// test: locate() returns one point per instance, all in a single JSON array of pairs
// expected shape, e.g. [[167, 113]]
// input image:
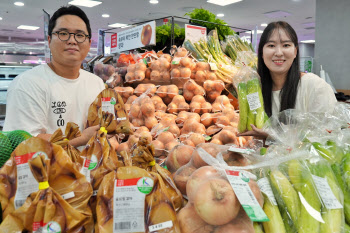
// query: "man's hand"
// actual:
[[85, 136], [257, 133]]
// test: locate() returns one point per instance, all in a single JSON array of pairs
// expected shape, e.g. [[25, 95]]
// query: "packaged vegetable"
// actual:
[[45, 208], [142, 112], [142, 88], [108, 111], [167, 93], [124, 92], [191, 88], [213, 89], [250, 100], [199, 105], [221, 102], [178, 104]]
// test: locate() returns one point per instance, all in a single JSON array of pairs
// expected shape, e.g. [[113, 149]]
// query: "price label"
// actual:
[[241, 150], [265, 187], [160, 226], [108, 105], [239, 182], [253, 101], [176, 60], [326, 193], [213, 66], [68, 195]]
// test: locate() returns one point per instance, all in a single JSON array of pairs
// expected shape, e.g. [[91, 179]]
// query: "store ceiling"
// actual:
[[245, 14]]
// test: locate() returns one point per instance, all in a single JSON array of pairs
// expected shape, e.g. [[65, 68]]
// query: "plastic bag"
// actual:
[[129, 102], [114, 80], [160, 71], [72, 131], [199, 105], [178, 157], [167, 93], [178, 104], [184, 115], [143, 88], [228, 135], [142, 112], [124, 92], [166, 123], [104, 71], [63, 176], [136, 72], [108, 111], [251, 103], [158, 104], [192, 126], [164, 142], [213, 89], [45, 208], [221, 102], [191, 88], [132, 141], [247, 58]]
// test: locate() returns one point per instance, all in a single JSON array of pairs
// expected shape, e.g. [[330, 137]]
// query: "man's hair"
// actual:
[[69, 10]]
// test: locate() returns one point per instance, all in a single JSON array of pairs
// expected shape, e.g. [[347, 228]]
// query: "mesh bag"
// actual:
[[9, 141]]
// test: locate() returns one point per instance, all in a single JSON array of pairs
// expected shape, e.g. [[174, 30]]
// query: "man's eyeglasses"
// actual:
[[64, 36]]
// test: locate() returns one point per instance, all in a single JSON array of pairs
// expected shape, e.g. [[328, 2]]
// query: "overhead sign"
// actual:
[[133, 38], [195, 33]]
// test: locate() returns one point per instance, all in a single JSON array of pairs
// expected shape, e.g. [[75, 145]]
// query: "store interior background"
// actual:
[[322, 21]]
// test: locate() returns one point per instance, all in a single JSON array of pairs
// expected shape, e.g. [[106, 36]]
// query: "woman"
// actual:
[[283, 85]]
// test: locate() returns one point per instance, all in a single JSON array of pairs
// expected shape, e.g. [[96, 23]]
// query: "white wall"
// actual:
[[332, 47]]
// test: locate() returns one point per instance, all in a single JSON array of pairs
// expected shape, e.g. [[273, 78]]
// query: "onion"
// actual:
[[215, 202]]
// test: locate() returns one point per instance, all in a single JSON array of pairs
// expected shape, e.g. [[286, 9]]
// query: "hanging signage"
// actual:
[[46, 33], [195, 33], [100, 43], [133, 38]]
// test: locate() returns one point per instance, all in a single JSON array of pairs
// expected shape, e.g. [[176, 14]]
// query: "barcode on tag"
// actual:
[[122, 226], [68, 195], [326, 193], [160, 226], [253, 101], [265, 187], [19, 203]]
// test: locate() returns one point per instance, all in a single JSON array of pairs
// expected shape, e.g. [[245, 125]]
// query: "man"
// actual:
[[49, 96]]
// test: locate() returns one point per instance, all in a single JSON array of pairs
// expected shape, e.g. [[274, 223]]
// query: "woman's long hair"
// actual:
[[289, 91]]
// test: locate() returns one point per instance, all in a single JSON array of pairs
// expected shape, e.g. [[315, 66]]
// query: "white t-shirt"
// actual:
[[40, 101], [313, 95]]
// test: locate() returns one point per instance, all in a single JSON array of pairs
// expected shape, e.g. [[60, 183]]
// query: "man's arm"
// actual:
[[85, 136]]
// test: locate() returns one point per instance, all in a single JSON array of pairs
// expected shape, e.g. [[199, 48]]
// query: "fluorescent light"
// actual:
[[257, 31], [86, 3], [153, 1], [19, 3], [220, 15], [223, 2], [263, 25], [118, 25], [0, 18], [105, 15], [307, 41], [25, 27]]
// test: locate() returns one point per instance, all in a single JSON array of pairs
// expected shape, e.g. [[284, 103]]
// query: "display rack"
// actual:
[[172, 19]]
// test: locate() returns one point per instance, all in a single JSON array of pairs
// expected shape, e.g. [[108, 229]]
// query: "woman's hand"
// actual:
[[257, 133]]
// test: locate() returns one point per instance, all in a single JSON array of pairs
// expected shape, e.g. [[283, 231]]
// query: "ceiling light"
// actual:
[[153, 1], [105, 15], [220, 15], [223, 2], [257, 31], [307, 41], [19, 3], [86, 3], [0, 18], [118, 25], [25, 27], [263, 25]]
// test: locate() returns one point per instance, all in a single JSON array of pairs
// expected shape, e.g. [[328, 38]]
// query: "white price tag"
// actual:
[[265, 187], [94, 193], [68, 195], [241, 150], [213, 66], [326, 193], [176, 60], [239, 182], [253, 101], [108, 105], [121, 119], [160, 226], [85, 169], [26, 183], [129, 204]]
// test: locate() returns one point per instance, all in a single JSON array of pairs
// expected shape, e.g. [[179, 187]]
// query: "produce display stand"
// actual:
[[172, 19]]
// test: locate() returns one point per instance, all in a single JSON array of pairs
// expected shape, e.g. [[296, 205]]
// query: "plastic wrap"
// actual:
[[167, 93], [124, 92], [183, 116], [199, 105], [191, 88], [213, 89], [63, 177], [136, 72], [158, 104], [160, 71], [104, 71], [45, 208], [191, 125], [181, 68], [164, 142], [228, 135], [72, 131], [251, 102], [179, 156], [143, 88], [129, 102], [142, 112], [115, 80], [178, 104], [108, 111], [166, 123], [221, 102]]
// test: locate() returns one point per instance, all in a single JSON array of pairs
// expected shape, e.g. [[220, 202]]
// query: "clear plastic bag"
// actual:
[[143, 88], [124, 92], [191, 88], [221, 102], [213, 89], [178, 104], [136, 72], [167, 93], [199, 105], [158, 104]]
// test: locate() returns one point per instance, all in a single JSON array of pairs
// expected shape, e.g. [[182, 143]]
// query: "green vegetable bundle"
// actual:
[[250, 100]]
